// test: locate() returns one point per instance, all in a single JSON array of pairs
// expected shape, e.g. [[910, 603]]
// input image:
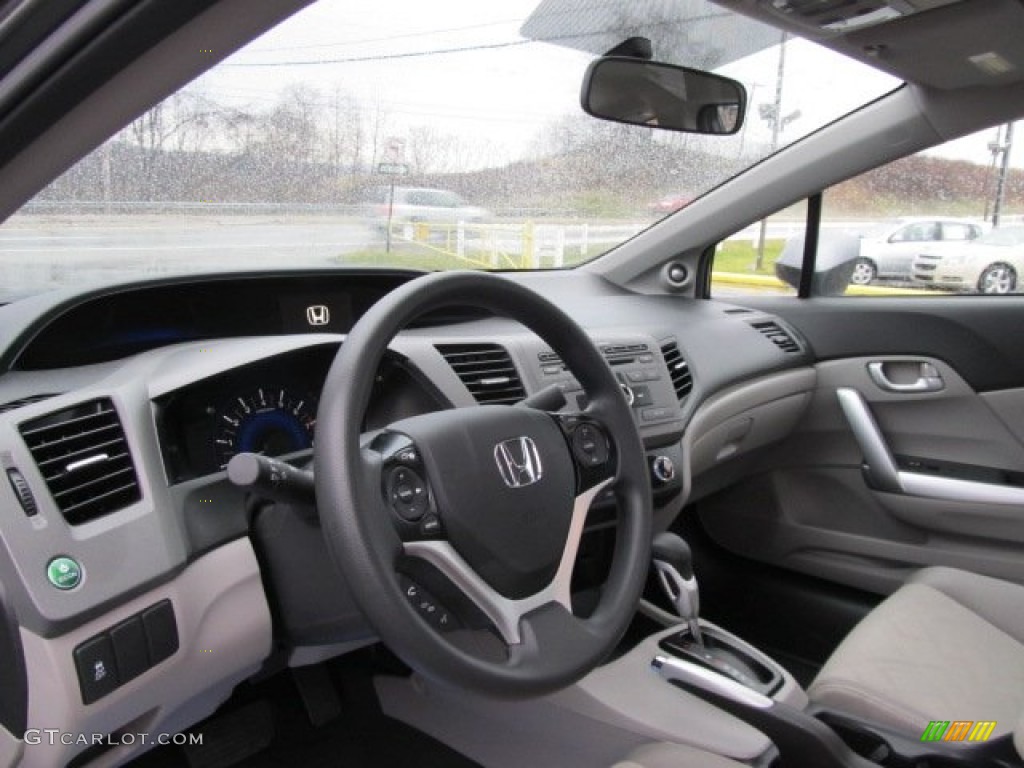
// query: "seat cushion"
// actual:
[[948, 645], [667, 755]]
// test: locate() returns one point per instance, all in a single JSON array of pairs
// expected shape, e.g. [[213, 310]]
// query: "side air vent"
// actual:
[[678, 369], [778, 335], [487, 371], [4, 407], [83, 456]]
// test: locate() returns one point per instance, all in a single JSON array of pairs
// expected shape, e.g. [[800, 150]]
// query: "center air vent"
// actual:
[[83, 456], [487, 371], [678, 369], [778, 335]]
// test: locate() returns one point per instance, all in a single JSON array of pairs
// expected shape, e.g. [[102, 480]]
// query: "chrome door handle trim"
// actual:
[[929, 379], [883, 474], [879, 465]]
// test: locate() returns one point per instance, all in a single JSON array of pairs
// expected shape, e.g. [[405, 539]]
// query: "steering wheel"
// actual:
[[494, 497]]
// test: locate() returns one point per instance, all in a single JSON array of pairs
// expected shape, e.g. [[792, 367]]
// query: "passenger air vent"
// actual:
[[678, 369], [4, 407], [83, 456], [487, 371], [778, 335]]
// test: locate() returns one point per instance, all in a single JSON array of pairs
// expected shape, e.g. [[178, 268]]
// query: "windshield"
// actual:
[[428, 136]]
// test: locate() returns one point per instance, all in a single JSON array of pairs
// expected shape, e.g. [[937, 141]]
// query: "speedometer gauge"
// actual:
[[268, 420]]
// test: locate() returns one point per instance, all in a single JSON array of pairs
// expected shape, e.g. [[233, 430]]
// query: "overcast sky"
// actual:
[[505, 91]]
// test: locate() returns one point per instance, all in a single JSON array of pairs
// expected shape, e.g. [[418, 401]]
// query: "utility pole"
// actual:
[[105, 165], [1004, 170]]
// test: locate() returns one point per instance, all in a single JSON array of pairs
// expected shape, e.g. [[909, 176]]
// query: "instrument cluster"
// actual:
[[269, 408]]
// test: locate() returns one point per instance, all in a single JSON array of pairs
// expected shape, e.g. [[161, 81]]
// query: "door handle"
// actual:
[[928, 378], [882, 472]]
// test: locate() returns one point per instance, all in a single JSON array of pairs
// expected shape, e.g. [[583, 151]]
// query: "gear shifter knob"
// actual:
[[673, 550], [674, 563]]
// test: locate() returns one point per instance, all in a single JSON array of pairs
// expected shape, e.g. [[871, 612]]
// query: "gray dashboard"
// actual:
[[672, 356]]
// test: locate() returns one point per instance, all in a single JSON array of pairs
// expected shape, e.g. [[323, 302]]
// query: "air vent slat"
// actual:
[[84, 459], [487, 371], [678, 369], [79, 487], [69, 455], [777, 335], [23, 401]]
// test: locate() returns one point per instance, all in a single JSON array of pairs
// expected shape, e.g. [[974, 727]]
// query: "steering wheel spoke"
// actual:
[[506, 613]]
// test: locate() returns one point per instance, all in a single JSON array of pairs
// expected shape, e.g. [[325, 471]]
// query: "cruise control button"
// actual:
[[64, 573]]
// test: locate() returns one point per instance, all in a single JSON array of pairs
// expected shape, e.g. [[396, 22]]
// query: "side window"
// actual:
[[919, 232], [958, 231], [949, 220], [764, 258]]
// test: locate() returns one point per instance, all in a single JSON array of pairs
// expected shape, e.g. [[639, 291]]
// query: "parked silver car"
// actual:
[[888, 251], [991, 264]]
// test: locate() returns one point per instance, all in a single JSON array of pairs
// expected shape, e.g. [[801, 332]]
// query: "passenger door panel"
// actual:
[[959, 451]]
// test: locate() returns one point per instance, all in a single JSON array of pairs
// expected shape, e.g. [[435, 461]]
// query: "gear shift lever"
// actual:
[[674, 563]]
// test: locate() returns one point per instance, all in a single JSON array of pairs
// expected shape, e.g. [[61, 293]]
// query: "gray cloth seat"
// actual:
[[668, 755], [947, 645]]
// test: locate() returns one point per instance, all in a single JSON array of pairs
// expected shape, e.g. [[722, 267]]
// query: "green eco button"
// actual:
[[64, 573]]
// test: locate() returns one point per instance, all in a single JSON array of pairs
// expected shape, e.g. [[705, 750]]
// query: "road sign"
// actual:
[[392, 169]]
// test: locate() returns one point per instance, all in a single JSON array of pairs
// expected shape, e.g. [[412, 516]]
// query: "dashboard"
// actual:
[[121, 407]]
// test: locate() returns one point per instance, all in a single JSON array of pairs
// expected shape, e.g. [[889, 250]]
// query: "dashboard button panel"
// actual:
[[108, 660]]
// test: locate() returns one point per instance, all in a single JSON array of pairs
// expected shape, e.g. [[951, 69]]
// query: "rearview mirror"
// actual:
[[640, 92]]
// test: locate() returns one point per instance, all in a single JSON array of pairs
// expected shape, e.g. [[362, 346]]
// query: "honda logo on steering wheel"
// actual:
[[518, 462]]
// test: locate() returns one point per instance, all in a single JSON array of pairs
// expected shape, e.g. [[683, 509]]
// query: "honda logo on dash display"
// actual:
[[318, 314], [518, 462]]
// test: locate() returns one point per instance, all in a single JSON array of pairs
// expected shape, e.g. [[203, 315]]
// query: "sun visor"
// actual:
[[694, 33]]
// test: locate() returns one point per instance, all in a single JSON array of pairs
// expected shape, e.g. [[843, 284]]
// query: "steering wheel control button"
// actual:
[[64, 573], [96, 667], [407, 493], [161, 627], [430, 527], [589, 445], [428, 606]]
